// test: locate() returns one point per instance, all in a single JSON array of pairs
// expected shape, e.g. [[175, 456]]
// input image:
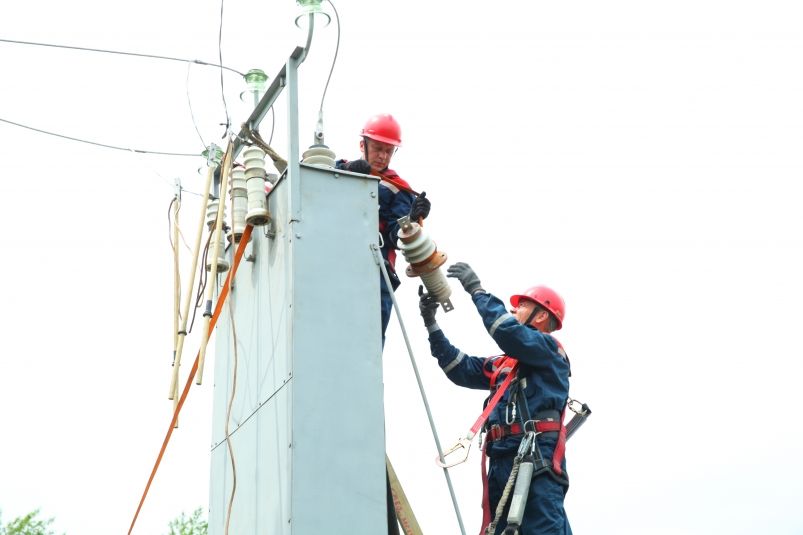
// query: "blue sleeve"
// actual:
[[525, 344], [392, 207], [460, 368]]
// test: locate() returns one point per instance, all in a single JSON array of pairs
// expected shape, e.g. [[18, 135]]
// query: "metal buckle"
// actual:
[[495, 432], [462, 443]]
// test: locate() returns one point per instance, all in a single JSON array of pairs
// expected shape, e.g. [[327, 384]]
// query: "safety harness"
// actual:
[[547, 423]]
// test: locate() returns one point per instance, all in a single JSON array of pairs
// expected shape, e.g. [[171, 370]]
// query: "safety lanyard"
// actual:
[[397, 185], [465, 442]]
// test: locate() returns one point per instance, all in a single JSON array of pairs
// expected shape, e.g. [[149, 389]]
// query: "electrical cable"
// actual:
[[337, 49], [202, 280], [170, 223], [199, 62], [189, 103], [154, 171], [98, 144], [231, 402], [272, 124], [220, 56]]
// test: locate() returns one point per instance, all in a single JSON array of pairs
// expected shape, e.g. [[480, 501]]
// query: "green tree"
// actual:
[[185, 525], [27, 525]]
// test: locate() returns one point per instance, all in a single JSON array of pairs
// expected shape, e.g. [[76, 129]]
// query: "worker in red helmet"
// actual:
[[381, 137], [535, 399]]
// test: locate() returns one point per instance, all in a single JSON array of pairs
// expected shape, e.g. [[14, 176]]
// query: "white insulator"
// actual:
[[436, 284], [419, 249], [258, 214], [239, 203], [222, 263], [257, 209], [211, 213], [319, 155]]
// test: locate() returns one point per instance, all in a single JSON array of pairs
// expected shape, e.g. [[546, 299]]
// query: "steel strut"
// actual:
[[378, 259]]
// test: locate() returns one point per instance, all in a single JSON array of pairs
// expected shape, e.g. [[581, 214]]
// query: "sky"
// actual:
[[642, 158]]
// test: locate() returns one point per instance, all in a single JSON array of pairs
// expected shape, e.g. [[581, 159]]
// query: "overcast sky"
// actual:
[[642, 158]]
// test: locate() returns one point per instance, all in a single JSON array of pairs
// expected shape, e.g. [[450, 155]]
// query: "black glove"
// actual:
[[428, 306], [421, 207], [463, 272], [357, 166]]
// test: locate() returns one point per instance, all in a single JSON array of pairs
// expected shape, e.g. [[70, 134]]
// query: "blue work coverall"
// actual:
[[393, 204], [547, 388]]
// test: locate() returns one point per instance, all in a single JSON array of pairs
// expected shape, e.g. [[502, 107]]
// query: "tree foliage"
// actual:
[[186, 525], [27, 525]]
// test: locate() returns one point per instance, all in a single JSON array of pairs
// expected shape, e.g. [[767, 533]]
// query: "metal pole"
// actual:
[[176, 290], [173, 394], [224, 180], [378, 259]]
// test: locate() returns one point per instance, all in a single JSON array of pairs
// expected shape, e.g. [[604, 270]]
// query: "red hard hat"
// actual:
[[547, 298], [384, 128]]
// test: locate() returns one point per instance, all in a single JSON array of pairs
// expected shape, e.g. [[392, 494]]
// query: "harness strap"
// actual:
[[394, 183], [560, 448], [486, 501], [494, 400], [497, 432]]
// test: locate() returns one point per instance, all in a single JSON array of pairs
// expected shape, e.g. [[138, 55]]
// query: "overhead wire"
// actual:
[[220, 56], [189, 103], [199, 62], [154, 171], [337, 49], [95, 143]]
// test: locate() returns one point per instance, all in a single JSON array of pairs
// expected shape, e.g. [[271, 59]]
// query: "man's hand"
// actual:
[[357, 166], [428, 306], [421, 207], [463, 272]]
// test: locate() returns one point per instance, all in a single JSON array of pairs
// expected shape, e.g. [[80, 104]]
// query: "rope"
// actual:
[[279, 162], [491, 529], [218, 307]]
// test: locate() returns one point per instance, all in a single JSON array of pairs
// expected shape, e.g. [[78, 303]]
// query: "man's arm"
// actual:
[[461, 369], [391, 208]]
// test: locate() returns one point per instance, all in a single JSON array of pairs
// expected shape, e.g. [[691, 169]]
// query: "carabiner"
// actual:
[[462, 443]]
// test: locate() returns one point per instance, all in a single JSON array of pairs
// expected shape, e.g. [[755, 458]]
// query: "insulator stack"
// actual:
[[425, 260], [319, 155], [239, 202], [255, 176], [211, 216]]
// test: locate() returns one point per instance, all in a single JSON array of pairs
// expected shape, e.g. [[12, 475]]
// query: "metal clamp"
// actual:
[[465, 443], [571, 402]]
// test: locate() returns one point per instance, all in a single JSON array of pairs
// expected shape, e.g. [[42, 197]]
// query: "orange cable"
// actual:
[[218, 307]]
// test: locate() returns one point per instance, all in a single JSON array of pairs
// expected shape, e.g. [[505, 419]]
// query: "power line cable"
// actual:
[[98, 144], [187, 87], [337, 49], [220, 56], [199, 62]]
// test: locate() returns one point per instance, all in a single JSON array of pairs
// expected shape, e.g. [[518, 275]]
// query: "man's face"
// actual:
[[523, 311], [379, 154]]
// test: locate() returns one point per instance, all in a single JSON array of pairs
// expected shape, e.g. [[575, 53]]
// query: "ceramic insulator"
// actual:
[[435, 282], [257, 213], [319, 155], [419, 249], [239, 202], [211, 216]]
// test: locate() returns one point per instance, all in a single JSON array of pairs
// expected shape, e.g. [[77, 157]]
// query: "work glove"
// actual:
[[357, 166], [421, 207], [463, 272], [428, 306]]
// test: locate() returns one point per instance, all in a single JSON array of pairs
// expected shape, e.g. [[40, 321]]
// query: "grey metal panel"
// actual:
[[309, 370], [338, 413]]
